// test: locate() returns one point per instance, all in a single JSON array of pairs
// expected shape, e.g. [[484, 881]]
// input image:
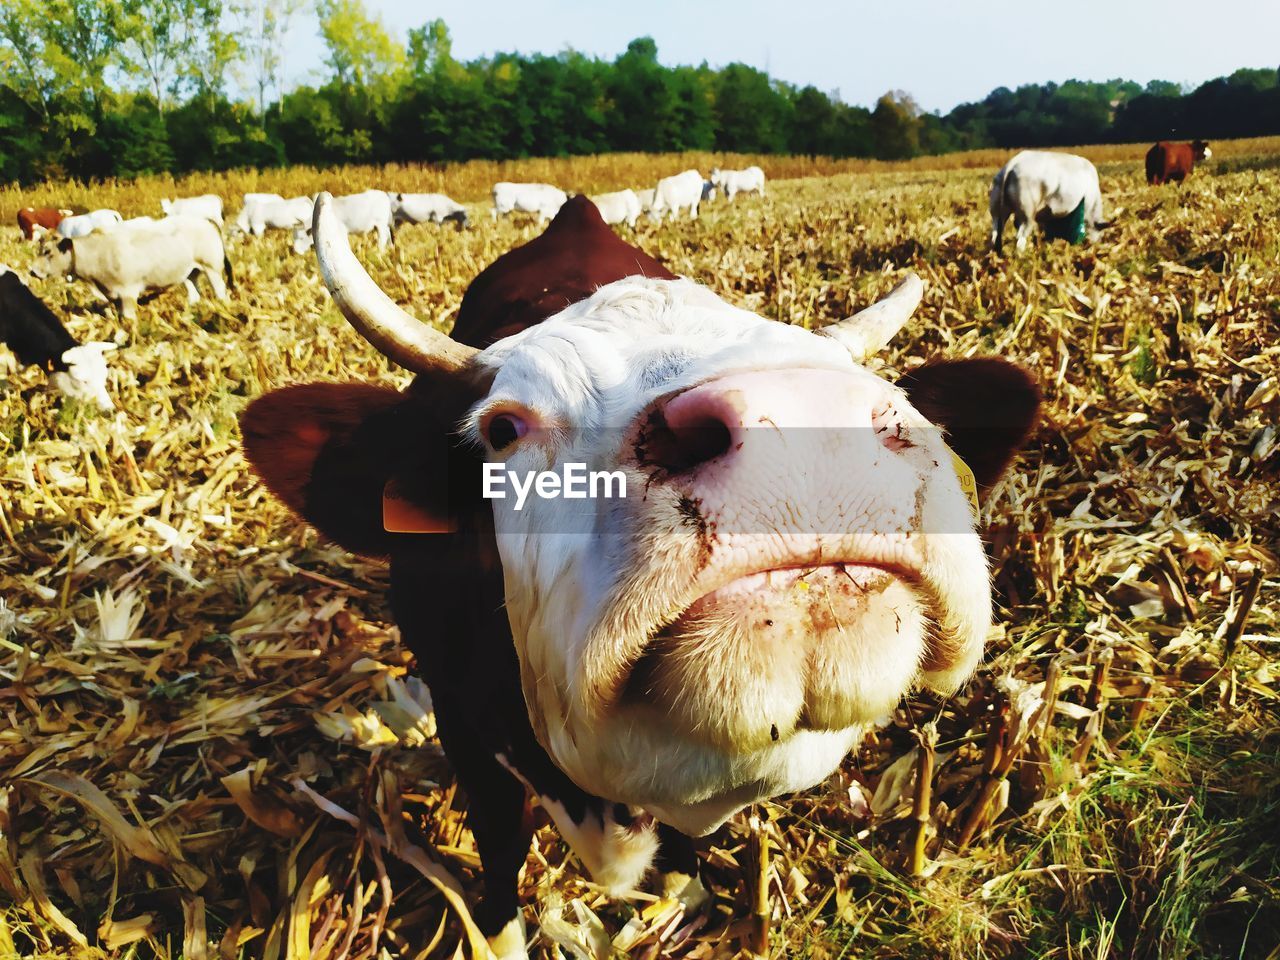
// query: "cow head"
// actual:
[[794, 552], [54, 258], [1200, 148], [85, 378]]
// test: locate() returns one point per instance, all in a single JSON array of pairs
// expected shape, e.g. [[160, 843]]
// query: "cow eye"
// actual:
[[504, 429]]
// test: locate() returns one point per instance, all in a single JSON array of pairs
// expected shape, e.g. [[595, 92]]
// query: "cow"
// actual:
[[1037, 183], [34, 220], [126, 262], [427, 208], [795, 554], [622, 206], [540, 198], [270, 211], [1174, 161], [368, 212], [208, 206], [734, 182], [83, 224], [646, 199], [675, 193], [38, 338]]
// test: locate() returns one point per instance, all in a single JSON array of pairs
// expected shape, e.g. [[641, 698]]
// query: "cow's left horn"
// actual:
[[869, 331], [396, 333]]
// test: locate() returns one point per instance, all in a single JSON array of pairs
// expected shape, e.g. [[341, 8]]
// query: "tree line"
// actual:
[[99, 88]]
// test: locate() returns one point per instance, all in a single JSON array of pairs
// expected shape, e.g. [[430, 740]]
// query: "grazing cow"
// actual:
[[540, 198], [734, 182], [368, 212], [83, 224], [126, 262], [1174, 161], [622, 206], [269, 211], [427, 208], [646, 199], [795, 553], [675, 193], [208, 206], [1038, 183], [33, 220], [38, 338]]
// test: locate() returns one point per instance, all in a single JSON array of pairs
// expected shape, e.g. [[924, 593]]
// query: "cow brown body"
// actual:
[[1174, 161], [29, 218]]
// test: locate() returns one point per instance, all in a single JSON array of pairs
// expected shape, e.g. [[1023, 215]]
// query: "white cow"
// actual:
[[426, 208], [368, 212], [733, 182], [1038, 182], [126, 262], [208, 206], [270, 211], [540, 198], [676, 193], [621, 206], [646, 199], [83, 224]]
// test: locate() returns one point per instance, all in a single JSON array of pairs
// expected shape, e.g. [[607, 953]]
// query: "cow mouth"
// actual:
[[768, 619]]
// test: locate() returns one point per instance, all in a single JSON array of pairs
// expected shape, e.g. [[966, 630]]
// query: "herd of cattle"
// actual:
[[123, 259], [732, 631]]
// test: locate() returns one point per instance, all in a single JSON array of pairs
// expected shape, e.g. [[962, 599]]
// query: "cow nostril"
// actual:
[[692, 443]]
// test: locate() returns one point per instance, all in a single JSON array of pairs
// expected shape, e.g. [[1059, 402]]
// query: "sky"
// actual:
[[942, 52]]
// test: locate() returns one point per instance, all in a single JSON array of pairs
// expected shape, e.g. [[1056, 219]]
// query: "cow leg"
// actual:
[[193, 295], [498, 816], [214, 276], [677, 866], [1025, 225], [127, 304], [693, 211]]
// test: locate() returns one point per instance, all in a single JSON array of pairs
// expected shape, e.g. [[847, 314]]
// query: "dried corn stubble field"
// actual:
[[211, 736]]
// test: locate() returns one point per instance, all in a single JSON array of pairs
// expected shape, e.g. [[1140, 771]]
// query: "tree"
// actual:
[[361, 51], [215, 49], [895, 124], [267, 23]]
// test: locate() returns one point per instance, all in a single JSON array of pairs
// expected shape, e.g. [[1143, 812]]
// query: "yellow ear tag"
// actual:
[[968, 485], [402, 515]]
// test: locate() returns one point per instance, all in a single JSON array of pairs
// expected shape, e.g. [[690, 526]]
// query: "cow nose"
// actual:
[[691, 429], [715, 420]]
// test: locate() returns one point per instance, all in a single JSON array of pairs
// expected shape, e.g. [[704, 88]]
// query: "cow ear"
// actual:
[[986, 406], [330, 450]]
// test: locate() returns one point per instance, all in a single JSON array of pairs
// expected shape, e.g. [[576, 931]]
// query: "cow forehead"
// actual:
[[638, 338]]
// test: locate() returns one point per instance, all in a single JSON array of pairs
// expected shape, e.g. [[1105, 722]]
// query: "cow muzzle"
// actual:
[[808, 598]]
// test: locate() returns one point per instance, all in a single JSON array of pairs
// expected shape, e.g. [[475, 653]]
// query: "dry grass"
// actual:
[[196, 692]]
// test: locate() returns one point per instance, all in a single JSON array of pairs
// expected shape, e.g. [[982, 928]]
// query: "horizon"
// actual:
[[928, 61]]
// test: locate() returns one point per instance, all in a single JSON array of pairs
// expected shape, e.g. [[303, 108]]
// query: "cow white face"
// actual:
[[53, 259], [85, 378], [794, 553]]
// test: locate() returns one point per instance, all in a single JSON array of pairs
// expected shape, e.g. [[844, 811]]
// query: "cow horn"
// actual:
[[869, 331], [396, 333]]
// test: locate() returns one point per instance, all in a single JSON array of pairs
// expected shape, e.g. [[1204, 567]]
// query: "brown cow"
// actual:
[[47, 218], [659, 667], [1174, 161]]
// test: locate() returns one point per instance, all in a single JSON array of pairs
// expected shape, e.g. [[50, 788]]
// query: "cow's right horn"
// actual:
[[395, 332], [870, 330]]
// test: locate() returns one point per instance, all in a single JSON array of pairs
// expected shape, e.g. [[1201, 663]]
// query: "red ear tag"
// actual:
[[402, 515]]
